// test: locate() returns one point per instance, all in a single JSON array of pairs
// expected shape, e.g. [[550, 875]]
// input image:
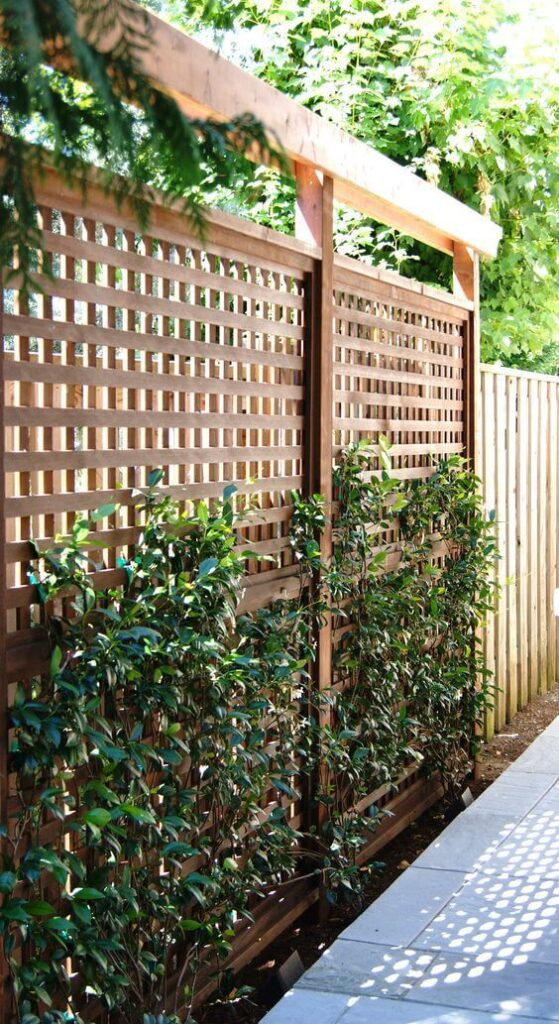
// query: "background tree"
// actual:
[[444, 87]]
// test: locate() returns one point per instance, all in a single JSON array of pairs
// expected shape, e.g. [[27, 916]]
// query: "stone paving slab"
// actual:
[[405, 909], [470, 933], [480, 983], [504, 917], [469, 842], [365, 968]]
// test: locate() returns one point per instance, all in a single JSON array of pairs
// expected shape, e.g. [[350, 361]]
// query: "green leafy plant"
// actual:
[[150, 735], [163, 753], [410, 682]]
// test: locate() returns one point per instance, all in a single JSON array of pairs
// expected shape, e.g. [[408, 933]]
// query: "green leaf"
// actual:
[[104, 511], [55, 660], [155, 477], [189, 925], [40, 908], [8, 880], [98, 817], [86, 894], [207, 566], [138, 813]]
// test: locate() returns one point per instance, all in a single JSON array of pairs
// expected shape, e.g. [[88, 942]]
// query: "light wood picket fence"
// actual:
[[519, 466]]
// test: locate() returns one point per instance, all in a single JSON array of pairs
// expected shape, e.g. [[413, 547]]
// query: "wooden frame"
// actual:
[[205, 84], [249, 356]]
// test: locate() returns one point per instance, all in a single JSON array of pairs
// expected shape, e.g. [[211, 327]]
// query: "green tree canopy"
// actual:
[[436, 85]]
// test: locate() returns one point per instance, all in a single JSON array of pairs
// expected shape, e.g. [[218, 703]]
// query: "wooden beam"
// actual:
[[205, 84]]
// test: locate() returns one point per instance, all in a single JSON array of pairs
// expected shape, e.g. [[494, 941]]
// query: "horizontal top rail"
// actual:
[[222, 228], [164, 224], [205, 84], [510, 371], [390, 277]]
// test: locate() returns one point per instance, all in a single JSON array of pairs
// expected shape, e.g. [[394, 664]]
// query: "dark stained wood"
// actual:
[[466, 285], [4, 999], [249, 358]]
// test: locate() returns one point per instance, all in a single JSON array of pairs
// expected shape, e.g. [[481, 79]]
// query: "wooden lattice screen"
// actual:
[[150, 350]]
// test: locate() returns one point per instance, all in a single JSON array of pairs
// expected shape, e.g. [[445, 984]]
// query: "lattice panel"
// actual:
[[398, 370], [151, 350]]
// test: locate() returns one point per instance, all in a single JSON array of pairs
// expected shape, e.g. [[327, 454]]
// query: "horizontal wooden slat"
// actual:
[[86, 334], [25, 462], [353, 276], [348, 344], [226, 236], [81, 501], [140, 263], [435, 300], [347, 314], [403, 402], [428, 448], [51, 373], [23, 416], [390, 425], [401, 377], [118, 298]]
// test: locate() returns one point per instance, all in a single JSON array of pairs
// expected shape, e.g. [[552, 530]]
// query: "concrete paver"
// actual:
[[470, 933]]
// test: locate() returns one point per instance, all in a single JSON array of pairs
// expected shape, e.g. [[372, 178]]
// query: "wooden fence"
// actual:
[[154, 349], [519, 466]]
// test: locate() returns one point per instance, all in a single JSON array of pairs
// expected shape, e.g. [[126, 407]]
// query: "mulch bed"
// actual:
[[309, 939]]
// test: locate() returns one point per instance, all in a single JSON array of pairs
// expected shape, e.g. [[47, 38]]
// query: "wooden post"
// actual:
[[466, 285], [314, 223], [4, 996]]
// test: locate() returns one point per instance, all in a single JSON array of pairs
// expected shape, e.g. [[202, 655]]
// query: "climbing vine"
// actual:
[[165, 751]]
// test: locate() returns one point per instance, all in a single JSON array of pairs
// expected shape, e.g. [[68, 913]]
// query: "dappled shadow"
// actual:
[[531, 850], [499, 918]]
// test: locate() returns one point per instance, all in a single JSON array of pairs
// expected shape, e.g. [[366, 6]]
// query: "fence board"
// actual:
[[520, 479]]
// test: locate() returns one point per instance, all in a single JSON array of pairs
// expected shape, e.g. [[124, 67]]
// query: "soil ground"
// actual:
[[310, 939]]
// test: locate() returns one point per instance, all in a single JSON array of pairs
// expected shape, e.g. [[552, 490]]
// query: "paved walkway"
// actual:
[[470, 933]]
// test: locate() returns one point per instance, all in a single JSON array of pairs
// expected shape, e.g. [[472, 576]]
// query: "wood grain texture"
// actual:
[[248, 359], [520, 469], [204, 83]]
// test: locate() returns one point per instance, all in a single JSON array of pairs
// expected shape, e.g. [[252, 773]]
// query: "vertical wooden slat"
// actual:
[[556, 528], [509, 514], [500, 503], [488, 477], [533, 491], [542, 510], [522, 584], [551, 560], [466, 285], [316, 198]]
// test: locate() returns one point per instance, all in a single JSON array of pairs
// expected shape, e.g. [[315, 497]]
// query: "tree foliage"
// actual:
[[96, 105], [432, 84]]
